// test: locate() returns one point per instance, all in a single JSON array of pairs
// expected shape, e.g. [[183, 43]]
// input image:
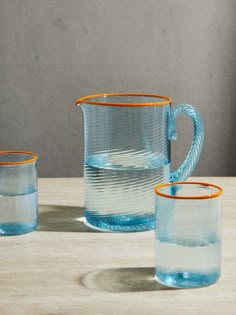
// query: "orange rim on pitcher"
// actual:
[[87, 100]]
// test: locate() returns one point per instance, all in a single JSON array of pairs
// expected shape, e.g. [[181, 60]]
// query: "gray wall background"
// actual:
[[55, 51]]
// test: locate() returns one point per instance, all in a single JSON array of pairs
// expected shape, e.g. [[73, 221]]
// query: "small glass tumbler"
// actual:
[[188, 234], [18, 192]]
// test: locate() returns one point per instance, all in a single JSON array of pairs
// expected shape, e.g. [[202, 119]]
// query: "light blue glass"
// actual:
[[18, 192], [188, 234], [127, 153]]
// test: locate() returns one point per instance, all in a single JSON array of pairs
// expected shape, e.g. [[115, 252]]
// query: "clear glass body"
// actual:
[[188, 235], [18, 193], [127, 153]]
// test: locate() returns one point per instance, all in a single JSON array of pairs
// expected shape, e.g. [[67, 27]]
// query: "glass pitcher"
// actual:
[[127, 153]]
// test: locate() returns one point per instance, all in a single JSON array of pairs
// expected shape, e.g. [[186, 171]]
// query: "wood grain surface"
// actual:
[[66, 268]]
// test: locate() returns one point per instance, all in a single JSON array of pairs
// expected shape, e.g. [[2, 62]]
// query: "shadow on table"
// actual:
[[62, 219], [122, 280]]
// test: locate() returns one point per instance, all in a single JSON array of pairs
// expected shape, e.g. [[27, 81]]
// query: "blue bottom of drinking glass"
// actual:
[[186, 279], [16, 228], [120, 223]]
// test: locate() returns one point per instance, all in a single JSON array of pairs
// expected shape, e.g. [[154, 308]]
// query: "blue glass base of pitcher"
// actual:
[[16, 228], [120, 223]]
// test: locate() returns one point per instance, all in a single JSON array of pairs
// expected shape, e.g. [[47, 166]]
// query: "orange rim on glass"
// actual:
[[88, 100], [33, 157], [214, 195]]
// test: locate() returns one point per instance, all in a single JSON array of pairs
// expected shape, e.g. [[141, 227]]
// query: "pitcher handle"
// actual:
[[187, 167]]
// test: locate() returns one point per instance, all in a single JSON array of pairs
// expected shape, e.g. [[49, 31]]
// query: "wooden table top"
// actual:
[[66, 268]]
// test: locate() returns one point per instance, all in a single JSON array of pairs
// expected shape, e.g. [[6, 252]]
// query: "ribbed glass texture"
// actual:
[[18, 195], [126, 154], [188, 237]]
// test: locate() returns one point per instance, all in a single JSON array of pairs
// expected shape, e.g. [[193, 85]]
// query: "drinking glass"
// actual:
[[18, 192], [188, 234]]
